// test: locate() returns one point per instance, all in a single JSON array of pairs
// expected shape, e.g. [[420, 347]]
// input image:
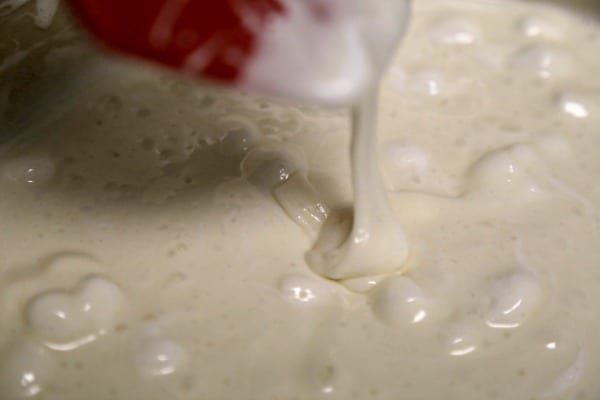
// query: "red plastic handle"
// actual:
[[207, 38]]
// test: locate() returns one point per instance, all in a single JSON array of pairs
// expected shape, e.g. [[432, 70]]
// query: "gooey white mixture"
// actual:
[[154, 233]]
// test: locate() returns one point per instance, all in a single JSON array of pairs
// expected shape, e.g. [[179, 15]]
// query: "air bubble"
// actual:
[[24, 371], [404, 161], [68, 320], [567, 379], [461, 339], [362, 284], [301, 202], [399, 301], [455, 30], [304, 290], [425, 82], [271, 171], [514, 173], [30, 170], [576, 105], [536, 26], [513, 298], [157, 356], [237, 142], [241, 134], [542, 60], [268, 166], [554, 146]]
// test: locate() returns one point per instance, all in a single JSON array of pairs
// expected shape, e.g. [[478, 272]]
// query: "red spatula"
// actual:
[[175, 32], [314, 50]]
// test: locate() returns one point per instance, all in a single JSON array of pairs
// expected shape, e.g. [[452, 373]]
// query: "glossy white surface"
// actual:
[[170, 222]]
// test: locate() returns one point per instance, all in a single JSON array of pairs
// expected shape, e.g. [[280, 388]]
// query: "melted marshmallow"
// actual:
[[153, 192], [376, 243], [67, 320]]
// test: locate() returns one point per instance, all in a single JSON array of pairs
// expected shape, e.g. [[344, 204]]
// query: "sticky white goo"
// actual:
[[376, 243], [501, 299], [299, 43]]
